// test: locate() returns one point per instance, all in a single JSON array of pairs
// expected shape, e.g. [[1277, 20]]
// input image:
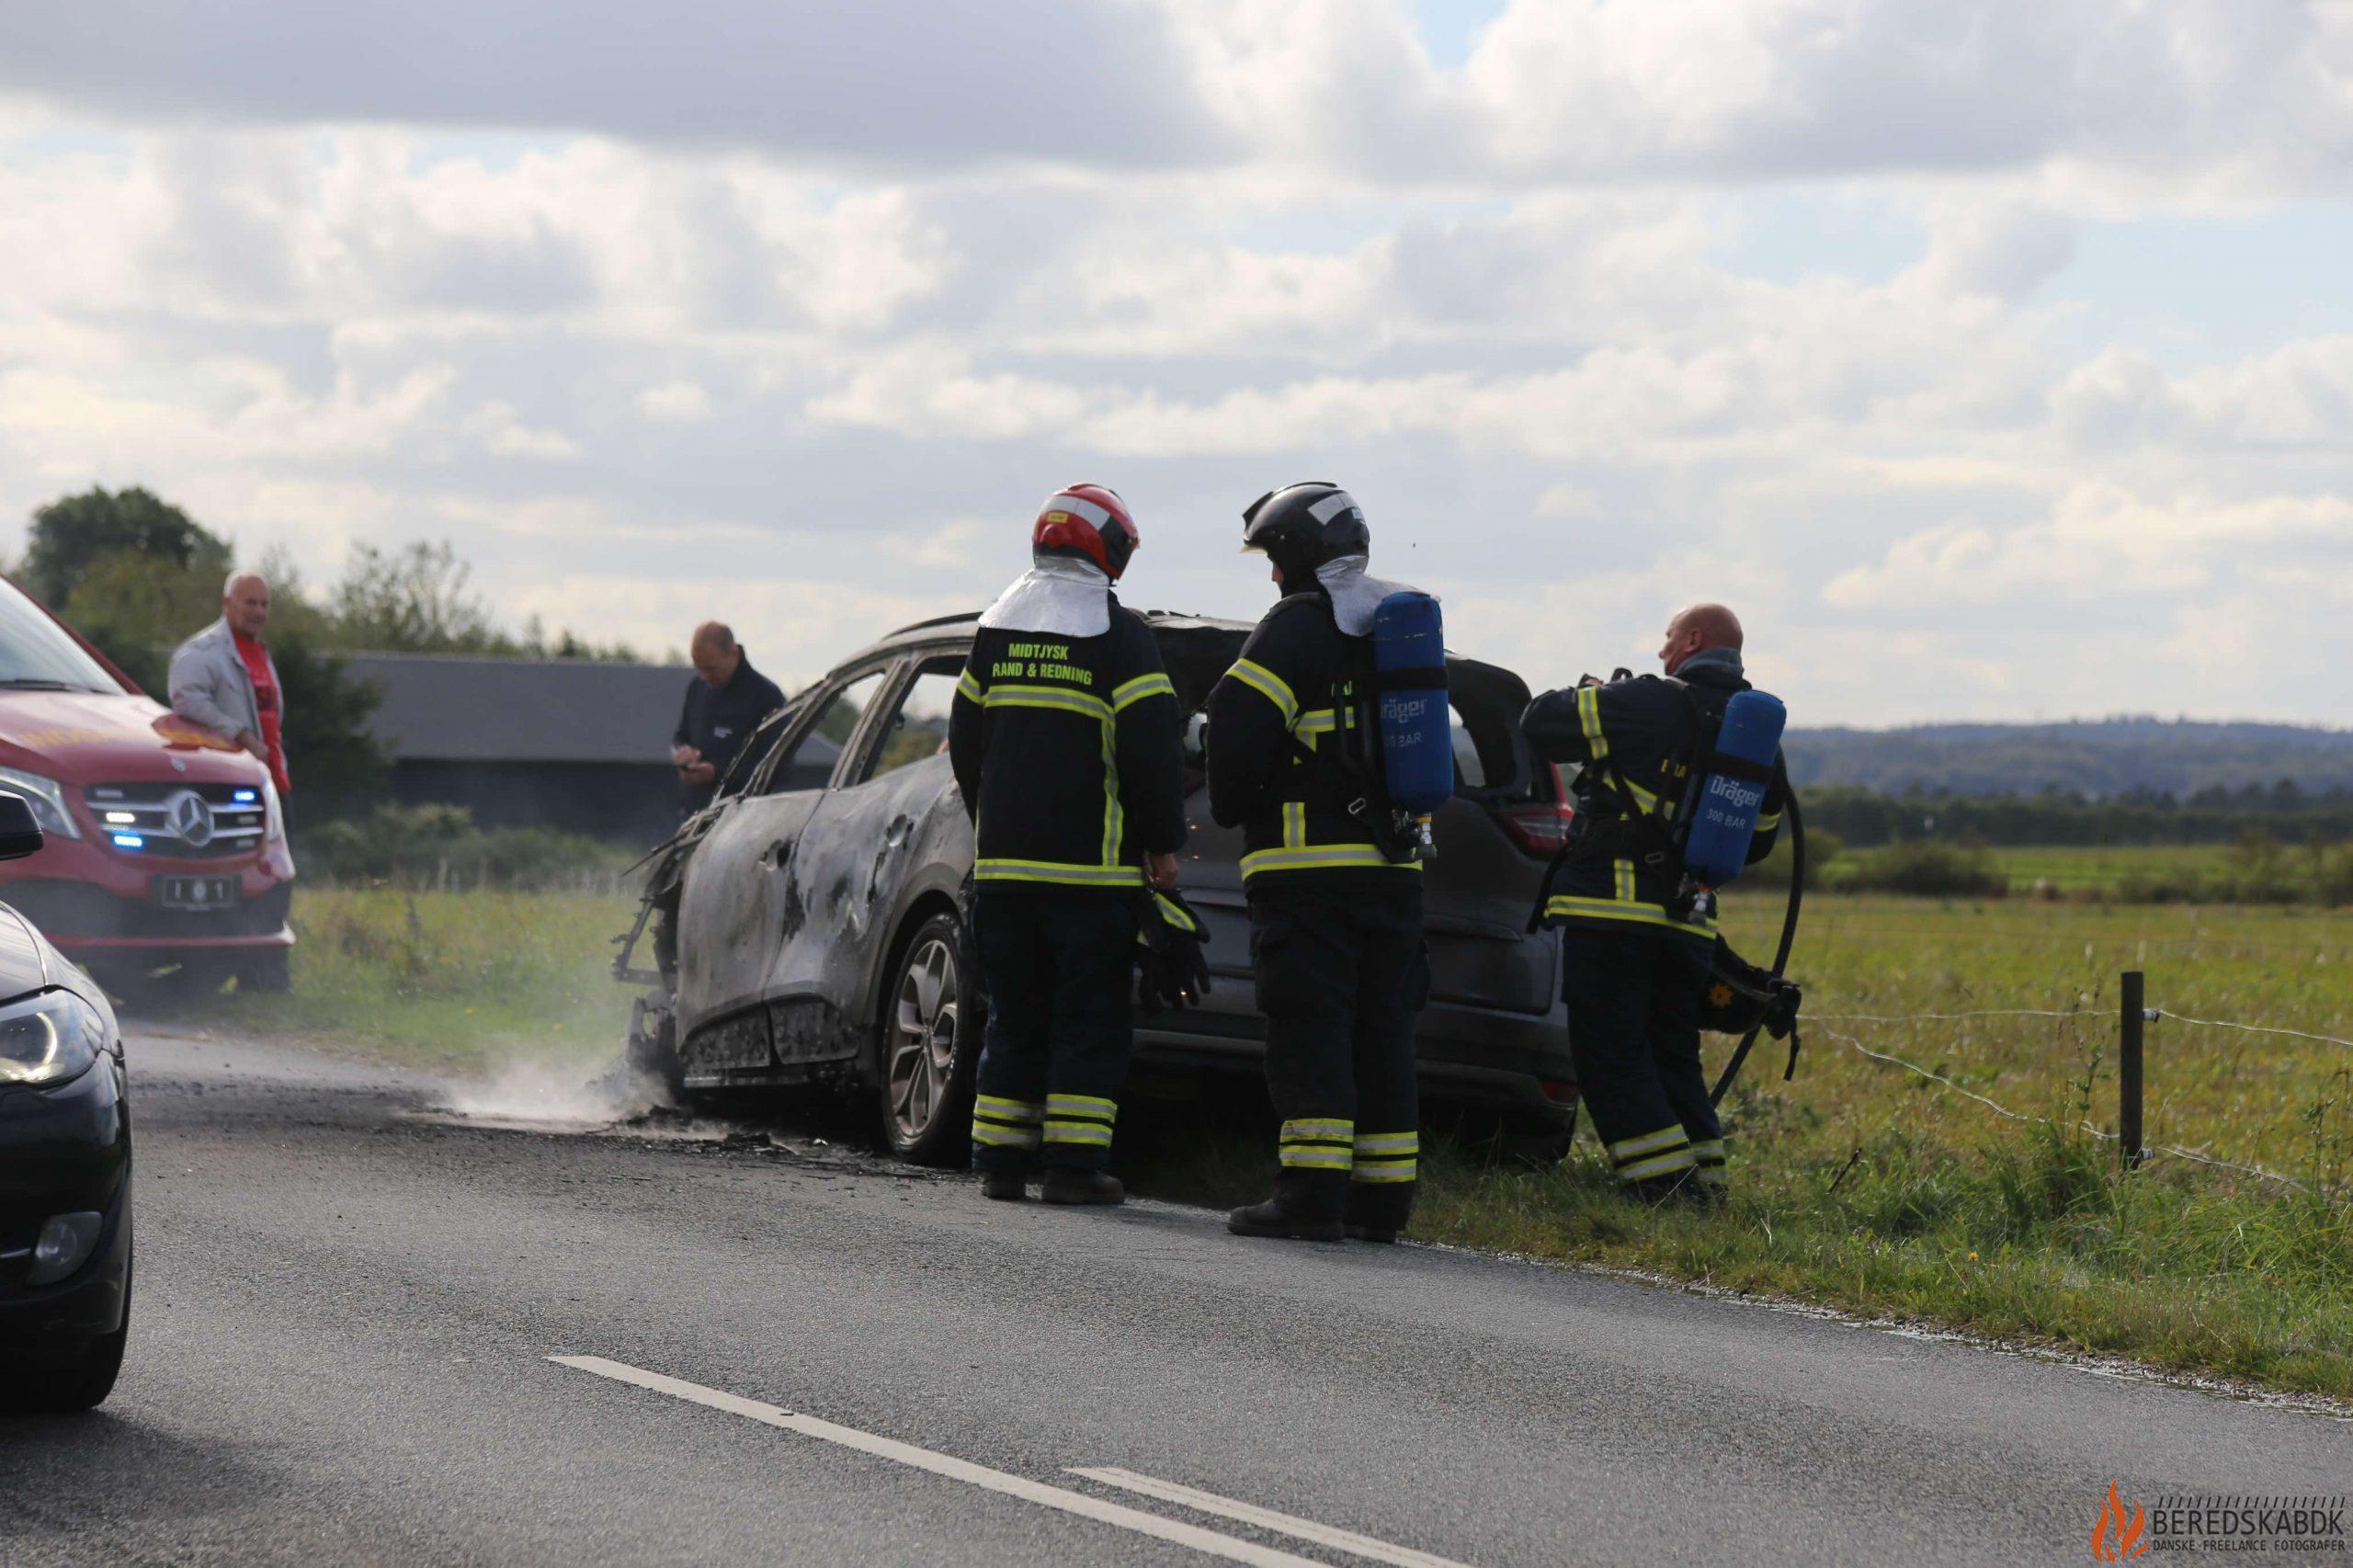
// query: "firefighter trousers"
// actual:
[[1634, 998], [1342, 973], [1059, 965]]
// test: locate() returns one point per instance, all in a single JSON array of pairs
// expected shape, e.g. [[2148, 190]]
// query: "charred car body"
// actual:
[[806, 927]]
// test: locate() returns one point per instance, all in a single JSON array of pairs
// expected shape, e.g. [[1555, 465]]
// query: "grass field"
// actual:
[[1861, 1183]]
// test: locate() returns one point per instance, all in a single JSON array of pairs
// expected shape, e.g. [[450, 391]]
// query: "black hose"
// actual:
[[1789, 940]]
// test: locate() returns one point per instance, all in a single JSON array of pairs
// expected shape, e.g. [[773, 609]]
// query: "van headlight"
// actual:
[[49, 1038], [46, 797], [273, 815]]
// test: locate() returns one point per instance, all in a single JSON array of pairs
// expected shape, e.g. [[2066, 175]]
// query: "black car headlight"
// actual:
[[49, 1038]]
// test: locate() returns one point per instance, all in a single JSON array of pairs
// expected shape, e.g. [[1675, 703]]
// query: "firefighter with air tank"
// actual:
[[1068, 746], [1640, 930], [1331, 872]]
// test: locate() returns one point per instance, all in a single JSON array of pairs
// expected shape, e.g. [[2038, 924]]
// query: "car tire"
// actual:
[[928, 1047], [63, 1385]]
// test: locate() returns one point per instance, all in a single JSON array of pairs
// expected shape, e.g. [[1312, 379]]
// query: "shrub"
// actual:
[[1928, 868], [440, 845]]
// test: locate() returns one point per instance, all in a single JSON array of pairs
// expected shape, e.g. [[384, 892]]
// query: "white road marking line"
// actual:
[[1202, 1540], [1267, 1519]]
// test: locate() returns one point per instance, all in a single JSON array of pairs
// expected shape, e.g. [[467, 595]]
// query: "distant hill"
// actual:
[[2102, 758]]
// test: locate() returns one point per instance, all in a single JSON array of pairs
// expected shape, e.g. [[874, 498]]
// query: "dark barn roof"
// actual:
[[443, 708]]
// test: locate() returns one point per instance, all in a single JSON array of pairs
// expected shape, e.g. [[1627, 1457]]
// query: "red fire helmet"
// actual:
[[1089, 520]]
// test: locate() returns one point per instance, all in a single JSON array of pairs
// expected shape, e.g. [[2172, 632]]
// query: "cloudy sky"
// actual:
[[1994, 360]]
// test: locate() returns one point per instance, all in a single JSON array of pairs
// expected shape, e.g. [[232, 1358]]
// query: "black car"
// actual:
[[805, 926], [64, 1167]]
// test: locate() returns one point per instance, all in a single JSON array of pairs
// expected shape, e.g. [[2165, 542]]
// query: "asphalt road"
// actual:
[[349, 1306]]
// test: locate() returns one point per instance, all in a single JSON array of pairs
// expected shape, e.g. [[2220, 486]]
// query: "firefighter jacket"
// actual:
[[1638, 740], [1070, 754], [1294, 691]]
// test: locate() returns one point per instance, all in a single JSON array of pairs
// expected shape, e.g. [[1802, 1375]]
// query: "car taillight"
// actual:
[[1539, 827]]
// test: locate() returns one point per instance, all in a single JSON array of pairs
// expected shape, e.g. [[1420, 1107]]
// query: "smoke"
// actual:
[[557, 1095]]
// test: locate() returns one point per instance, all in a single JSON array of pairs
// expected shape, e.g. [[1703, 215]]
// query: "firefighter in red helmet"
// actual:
[[1068, 746]]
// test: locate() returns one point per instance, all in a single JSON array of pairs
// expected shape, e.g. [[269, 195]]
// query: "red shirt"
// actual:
[[256, 659]]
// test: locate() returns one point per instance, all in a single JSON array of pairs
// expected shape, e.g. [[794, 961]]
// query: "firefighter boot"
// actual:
[[1082, 1187], [1377, 1210], [1005, 1186], [1307, 1206]]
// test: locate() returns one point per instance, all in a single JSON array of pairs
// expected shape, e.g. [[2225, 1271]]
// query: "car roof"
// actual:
[[948, 628]]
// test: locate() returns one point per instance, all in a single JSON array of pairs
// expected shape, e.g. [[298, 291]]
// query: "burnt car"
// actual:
[[64, 1167], [804, 927]]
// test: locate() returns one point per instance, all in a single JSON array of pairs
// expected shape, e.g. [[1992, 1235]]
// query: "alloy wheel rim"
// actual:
[[922, 1037]]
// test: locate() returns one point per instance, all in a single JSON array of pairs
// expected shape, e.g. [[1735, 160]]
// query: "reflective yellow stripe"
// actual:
[[1678, 1160], [1082, 1105], [1294, 824], [1389, 1143], [1648, 1142], [1136, 690], [998, 1137], [1566, 906], [1177, 916], [1268, 685], [1383, 1170], [1709, 1149], [1321, 721], [1642, 796], [1322, 857], [1078, 1132], [1066, 876], [1053, 696], [1625, 875], [966, 686], [1318, 1127], [1713, 1175], [1590, 720], [1115, 819], [1768, 821], [1315, 1157], [1009, 1110]]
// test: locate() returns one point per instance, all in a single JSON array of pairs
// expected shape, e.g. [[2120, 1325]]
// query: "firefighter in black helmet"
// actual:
[[1068, 747], [1335, 915]]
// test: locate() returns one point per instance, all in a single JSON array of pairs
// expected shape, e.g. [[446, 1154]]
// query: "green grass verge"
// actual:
[[1861, 1184], [458, 982]]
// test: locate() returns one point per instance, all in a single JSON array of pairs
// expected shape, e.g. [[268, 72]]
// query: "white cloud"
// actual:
[[674, 402]]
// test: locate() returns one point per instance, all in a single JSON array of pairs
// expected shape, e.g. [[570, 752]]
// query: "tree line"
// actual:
[[2282, 812]]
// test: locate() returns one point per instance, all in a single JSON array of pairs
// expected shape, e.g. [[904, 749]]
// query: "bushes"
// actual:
[[1926, 869], [440, 845]]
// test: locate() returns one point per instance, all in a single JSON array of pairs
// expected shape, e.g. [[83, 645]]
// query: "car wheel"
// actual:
[[63, 1384], [930, 1045]]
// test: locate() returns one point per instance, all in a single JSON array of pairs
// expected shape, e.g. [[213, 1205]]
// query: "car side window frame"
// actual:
[[813, 705], [858, 764]]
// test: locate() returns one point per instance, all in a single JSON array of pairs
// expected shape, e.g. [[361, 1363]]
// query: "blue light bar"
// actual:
[[246, 797], [129, 841]]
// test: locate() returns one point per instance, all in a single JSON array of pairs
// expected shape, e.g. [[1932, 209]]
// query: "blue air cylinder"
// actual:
[[1722, 818], [1416, 735]]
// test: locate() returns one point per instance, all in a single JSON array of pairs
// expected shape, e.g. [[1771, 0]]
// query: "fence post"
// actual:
[[2128, 1072]]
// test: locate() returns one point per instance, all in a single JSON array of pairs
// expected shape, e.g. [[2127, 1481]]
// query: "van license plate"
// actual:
[[195, 893]]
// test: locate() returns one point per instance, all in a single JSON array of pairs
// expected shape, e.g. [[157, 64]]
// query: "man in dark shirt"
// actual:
[[725, 701]]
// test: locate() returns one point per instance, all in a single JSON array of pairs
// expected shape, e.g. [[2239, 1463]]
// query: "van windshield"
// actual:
[[36, 654]]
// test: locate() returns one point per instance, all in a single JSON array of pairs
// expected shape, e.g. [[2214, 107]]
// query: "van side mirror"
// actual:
[[19, 832]]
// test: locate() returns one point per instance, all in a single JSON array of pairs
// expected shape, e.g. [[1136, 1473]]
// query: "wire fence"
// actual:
[[2171, 1151], [2135, 1015]]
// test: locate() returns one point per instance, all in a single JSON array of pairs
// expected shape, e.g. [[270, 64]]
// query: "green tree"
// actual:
[[134, 608], [72, 534], [413, 601]]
